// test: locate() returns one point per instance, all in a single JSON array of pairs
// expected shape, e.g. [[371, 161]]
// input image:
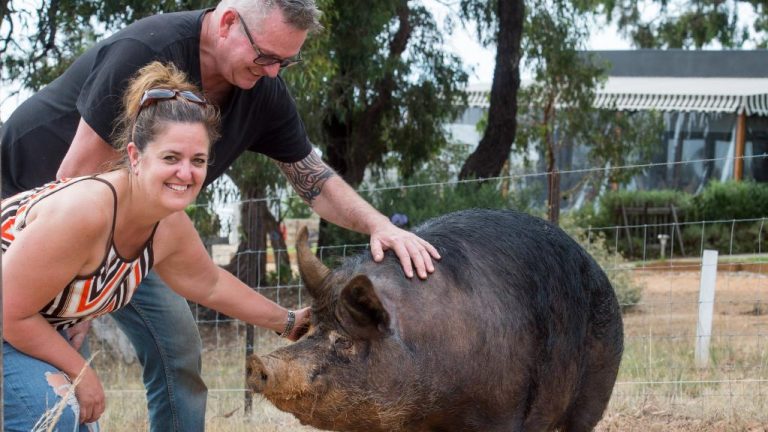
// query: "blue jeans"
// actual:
[[162, 329], [32, 389]]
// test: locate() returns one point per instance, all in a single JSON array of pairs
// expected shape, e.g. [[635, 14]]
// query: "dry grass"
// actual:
[[659, 389]]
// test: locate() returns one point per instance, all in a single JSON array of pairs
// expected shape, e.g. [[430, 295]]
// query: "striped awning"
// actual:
[[731, 95]]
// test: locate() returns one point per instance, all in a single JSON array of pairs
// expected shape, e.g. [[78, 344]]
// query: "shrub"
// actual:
[[731, 200], [608, 211], [619, 270], [436, 192], [721, 207]]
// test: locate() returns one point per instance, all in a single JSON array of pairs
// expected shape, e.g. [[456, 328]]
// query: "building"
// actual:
[[715, 109]]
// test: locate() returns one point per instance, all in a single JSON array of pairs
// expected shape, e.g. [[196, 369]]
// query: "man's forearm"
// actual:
[[307, 176], [330, 196], [334, 200], [341, 205], [88, 154]]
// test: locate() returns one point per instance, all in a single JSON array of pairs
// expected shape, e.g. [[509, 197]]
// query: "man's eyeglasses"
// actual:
[[264, 59]]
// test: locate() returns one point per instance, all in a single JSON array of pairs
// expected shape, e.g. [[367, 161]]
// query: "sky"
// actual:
[[478, 59], [482, 60]]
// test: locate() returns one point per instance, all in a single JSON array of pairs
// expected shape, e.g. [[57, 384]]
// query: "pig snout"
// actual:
[[257, 374]]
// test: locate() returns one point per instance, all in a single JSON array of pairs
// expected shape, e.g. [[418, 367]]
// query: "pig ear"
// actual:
[[312, 270], [360, 310]]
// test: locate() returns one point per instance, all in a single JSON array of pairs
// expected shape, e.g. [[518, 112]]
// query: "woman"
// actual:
[[78, 248]]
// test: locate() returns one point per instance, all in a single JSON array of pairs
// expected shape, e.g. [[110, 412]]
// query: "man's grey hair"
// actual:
[[299, 14]]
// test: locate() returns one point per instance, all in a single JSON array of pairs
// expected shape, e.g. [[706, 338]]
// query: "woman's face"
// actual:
[[173, 166]]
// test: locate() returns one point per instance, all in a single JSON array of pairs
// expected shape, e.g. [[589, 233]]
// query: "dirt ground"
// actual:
[[658, 389], [666, 318]]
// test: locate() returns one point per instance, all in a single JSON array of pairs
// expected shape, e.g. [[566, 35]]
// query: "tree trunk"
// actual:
[[3, 10], [553, 176], [354, 140], [487, 160], [250, 261]]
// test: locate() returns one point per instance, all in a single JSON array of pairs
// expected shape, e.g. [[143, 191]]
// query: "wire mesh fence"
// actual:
[[653, 260]]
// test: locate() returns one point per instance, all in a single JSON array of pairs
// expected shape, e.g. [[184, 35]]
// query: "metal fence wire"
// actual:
[[658, 286]]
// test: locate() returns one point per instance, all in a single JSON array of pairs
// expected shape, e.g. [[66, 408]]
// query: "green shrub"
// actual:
[[435, 192], [727, 237], [720, 206], [608, 212], [619, 270], [422, 203], [731, 200]]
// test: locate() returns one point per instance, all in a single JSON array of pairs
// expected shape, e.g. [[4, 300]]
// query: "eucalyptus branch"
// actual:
[[8, 38], [4, 10]]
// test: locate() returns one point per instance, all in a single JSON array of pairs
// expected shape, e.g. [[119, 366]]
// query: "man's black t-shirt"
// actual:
[[37, 135]]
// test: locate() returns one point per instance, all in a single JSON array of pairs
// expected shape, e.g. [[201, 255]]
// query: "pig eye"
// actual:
[[342, 344]]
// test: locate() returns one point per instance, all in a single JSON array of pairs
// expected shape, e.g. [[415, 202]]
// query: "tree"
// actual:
[[499, 22], [37, 45], [376, 83], [557, 107], [380, 85], [689, 24], [257, 179]]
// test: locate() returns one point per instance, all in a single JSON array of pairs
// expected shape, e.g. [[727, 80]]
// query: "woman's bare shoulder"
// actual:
[[86, 206]]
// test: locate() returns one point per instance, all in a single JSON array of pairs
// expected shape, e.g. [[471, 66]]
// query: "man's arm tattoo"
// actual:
[[307, 176]]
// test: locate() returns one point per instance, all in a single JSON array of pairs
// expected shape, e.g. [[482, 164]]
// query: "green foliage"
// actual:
[[557, 109], [727, 203], [726, 237], [689, 24], [617, 268], [483, 15], [717, 218], [435, 192], [609, 205], [37, 45], [283, 276], [731, 200], [618, 139], [253, 170], [377, 82], [203, 216]]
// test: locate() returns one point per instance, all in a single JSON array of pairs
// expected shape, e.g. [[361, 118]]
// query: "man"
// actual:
[[234, 52]]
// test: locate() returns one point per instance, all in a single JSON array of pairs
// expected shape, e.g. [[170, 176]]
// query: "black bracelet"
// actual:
[[289, 325]]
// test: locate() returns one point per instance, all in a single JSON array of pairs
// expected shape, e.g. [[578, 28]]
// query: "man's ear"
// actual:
[[360, 311], [226, 21]]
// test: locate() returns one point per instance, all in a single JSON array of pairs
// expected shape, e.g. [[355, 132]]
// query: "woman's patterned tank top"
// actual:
[[108, 288]]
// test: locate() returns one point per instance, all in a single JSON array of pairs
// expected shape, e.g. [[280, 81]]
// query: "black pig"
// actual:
[[518, 329]]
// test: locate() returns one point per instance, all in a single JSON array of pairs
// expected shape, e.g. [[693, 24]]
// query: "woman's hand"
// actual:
[[302, 324], [77, 334], [90, 396]]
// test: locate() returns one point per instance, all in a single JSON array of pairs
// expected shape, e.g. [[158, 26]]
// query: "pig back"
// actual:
[[526, 317]]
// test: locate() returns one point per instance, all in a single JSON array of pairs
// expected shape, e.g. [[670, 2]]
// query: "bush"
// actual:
[[619, 270], [421, 203], [721, 207], [608, 212], [436, 193], [731, 200]]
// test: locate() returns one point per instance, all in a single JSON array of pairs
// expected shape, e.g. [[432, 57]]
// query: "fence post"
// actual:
[[706, 307]]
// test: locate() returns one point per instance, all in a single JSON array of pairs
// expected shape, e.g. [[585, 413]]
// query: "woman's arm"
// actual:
[[183, 263], [43, 258]]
